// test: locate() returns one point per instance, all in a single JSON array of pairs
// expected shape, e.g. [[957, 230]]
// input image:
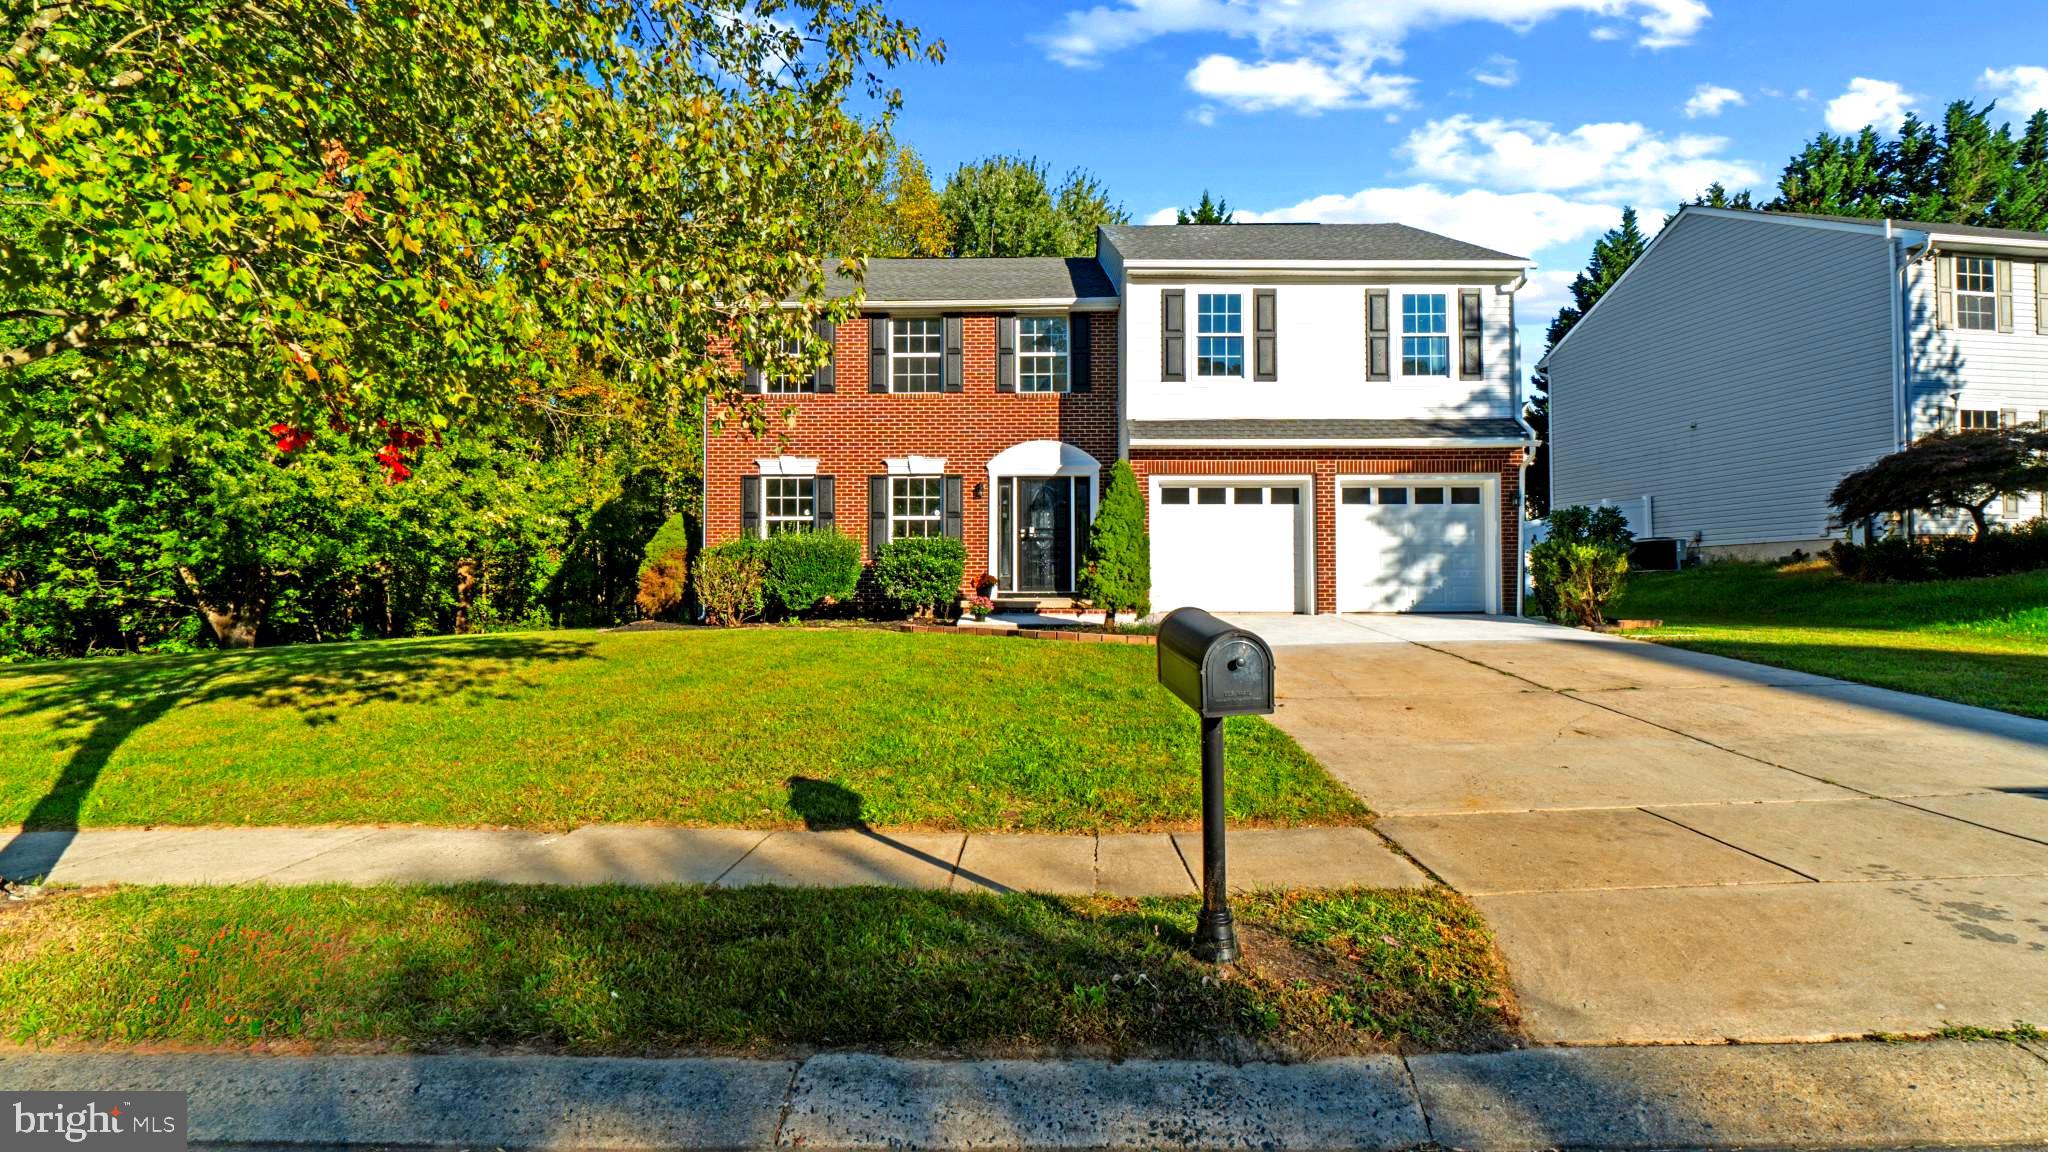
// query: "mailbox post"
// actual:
[[1218, 671]]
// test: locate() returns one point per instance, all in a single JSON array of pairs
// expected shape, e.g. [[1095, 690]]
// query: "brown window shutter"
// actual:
[[1173, 334], [1265, 334], [1944, 291], [753, 380], [2041, 303], [1006, 353], [1470, 334], [750, 506], [824, 503], [1378, 337], [956, 353], [878, 353], [1080, 351], [2002, 271], [878, 514], [823, 380]]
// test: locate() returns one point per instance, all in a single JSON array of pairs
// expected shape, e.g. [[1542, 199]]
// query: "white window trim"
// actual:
[[768, 522], [1956, 271], [787, 465], [1063, 381], [940, 357], [1397, 320], [1195, 335], [916, 465], [937, 518]]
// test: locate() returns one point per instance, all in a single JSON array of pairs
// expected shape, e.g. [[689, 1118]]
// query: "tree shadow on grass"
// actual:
[[101, 704]]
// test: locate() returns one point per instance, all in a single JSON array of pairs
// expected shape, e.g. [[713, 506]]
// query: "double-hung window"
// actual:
[[788, 504], [1042, 354], [1425, 335], [917, 348], [1219, 334], [786, 384], [1977, 293], [1978, 420], [916, 506]]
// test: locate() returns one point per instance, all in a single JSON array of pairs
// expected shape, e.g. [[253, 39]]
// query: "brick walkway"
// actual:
[[1121, 865]]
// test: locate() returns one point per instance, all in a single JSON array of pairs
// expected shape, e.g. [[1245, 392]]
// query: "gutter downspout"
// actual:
[[1522, 476]]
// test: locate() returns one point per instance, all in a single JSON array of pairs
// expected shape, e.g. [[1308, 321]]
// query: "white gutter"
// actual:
[[1064, 304], [1441, 442], [1134, 268]]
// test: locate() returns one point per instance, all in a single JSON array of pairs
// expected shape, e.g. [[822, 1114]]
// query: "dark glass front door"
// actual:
[[1045, 535]]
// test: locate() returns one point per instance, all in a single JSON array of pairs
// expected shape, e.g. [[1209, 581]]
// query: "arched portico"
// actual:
[[1042, 497]]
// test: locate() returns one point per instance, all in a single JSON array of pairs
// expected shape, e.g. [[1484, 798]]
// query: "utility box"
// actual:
[[1214, 668]]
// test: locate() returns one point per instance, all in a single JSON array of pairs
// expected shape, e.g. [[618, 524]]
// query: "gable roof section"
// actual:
[[1042, 280], [1292, 242]]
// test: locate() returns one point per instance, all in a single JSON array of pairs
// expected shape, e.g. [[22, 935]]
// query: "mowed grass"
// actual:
[[655, 971], [759, 728], [1982, 642]]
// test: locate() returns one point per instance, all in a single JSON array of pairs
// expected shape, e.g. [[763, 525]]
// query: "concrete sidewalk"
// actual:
[[1866, 1095], [1158, 864]]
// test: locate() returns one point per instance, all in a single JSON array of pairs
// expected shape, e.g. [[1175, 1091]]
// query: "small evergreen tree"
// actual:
[[1116, 570], [1207, 212]]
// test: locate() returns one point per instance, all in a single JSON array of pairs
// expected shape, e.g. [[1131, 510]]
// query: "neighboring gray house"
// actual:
[[1750, 360]]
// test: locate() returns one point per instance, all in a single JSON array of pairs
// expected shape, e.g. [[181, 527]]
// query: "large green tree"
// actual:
[[1964, 170], [1006, 206], [1613, 253], [386, 218]]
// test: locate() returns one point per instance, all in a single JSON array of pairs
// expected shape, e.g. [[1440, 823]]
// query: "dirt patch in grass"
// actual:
[[757, 971]]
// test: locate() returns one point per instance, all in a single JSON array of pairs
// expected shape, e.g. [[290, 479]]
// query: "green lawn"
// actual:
[[761, 727], [668, 970], [1981, 642]]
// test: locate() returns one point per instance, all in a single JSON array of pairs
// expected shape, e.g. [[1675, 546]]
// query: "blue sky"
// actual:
[[1520, 124]]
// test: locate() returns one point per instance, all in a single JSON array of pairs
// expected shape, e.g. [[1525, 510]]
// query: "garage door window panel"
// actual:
[[1393, 495], [1464, 495], [1358, 496], [1210, 495], [1173, 495], [1429, 495]]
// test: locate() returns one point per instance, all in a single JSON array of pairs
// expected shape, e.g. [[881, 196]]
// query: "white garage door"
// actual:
[[1229, 547], [1413, 547]]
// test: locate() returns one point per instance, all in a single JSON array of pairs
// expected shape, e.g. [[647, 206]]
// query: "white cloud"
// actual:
[[1548, 290], [2022, 90], [1874, 103], [1709, 99], [1498, 72], [1517, 222], [1608, 32], [1620, 163], [1164, 216], [1358, 33], [1300, 85]]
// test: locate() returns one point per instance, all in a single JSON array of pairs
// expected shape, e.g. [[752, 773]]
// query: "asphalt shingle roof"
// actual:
[[1328, 430], [1912, 225], [1291, 242], [968, 281]]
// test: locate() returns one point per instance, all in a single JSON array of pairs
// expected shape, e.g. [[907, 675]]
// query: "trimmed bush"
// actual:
[[665, 570], [1582, 564], [1116, 570], [802, 570], [921, 576], [1903, 560], [728, 582]]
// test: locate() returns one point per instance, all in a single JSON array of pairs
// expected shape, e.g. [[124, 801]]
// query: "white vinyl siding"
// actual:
[[1694, 384], [1958, 368]]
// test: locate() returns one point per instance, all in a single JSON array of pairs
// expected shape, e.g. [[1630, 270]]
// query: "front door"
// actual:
[[1045, 534]]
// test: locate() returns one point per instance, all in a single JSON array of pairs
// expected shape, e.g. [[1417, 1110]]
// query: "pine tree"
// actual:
[[1207, 212], [1116, 569], [1962, 171]]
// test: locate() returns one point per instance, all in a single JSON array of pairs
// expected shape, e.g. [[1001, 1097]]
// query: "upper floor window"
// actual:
[[1977, 293], [1425, 335], [917, 349], [779, 384], [1219, 334], [1978, 420], [916, 506], [788, 504], [1042, 354]]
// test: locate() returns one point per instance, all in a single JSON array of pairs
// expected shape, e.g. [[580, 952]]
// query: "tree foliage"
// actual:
[[375, 217], [1965, 170], [1614, 253], [1006, 206], [1580, 566], [1948, 471], [1207, 212], [921, 574], [1116, 570]]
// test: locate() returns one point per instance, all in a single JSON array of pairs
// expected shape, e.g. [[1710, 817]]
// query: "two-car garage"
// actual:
[[1402, 543]]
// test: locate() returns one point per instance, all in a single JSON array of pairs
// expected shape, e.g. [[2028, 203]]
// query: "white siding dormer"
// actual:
[[1321, 363]]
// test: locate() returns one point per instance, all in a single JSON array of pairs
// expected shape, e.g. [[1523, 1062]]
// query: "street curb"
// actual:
[[1821, 1095]]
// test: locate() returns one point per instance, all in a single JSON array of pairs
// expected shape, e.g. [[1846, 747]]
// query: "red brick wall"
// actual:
[[1327, 465], [852, 431]]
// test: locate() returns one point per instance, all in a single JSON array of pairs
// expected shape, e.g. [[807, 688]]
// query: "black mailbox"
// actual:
[[1214, 668]]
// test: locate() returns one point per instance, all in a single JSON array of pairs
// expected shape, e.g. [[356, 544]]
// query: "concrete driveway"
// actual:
[[1679, 847]]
